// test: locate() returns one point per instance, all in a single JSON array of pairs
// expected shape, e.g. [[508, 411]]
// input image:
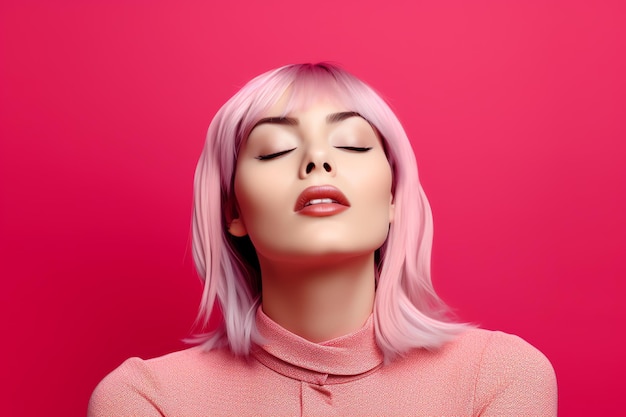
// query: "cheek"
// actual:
[[375, 199], [260, 205], [249, 199], [384, 197], [376, 185]]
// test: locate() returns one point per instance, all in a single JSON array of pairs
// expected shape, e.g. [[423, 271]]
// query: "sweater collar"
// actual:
[[337, 360]]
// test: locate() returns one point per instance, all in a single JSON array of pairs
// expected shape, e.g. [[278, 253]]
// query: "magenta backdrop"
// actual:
[[515, 110]]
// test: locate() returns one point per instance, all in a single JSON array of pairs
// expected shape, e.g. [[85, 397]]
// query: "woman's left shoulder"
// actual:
[[510, 372], [502, 350], [488, 373]]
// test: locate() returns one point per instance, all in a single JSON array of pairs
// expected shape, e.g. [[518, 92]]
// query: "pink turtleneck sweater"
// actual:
[[480, 373]]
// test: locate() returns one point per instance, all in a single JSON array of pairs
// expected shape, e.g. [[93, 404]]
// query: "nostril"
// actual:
[[310, 167], [327, 167]]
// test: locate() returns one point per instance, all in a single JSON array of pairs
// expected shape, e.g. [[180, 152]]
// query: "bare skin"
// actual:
[[324, 302], [317, 261]]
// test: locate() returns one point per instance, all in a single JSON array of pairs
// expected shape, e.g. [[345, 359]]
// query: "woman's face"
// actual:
[[313, 185]]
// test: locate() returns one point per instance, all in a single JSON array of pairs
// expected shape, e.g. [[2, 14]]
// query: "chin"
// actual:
[[321, 253], [329, 246]]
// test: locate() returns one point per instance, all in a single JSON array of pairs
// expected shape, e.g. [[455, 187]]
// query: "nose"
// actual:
[[317, 161], [311, 166]]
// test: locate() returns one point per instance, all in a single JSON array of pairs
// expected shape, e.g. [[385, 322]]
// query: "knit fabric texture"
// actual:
[[481, 373]]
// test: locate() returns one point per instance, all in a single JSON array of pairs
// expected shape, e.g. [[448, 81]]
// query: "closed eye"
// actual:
[[273, 155], [354, 148]]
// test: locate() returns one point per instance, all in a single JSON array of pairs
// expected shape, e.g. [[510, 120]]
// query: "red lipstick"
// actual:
[[321, 201]]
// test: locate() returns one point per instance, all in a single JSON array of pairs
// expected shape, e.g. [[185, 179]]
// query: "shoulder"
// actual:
[[487, 373], [503, 354], [485, 351], [513, 377], [137, 386], [482, 354], [495, 344]]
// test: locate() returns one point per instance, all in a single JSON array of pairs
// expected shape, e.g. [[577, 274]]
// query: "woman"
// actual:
[[313, 236]]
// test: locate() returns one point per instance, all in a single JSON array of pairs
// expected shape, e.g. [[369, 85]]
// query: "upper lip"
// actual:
[[320, 191]]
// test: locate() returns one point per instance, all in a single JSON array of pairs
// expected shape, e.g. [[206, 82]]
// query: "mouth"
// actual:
[[319, 201]]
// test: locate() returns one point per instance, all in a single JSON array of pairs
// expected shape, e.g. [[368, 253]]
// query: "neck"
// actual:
[[319, 302]]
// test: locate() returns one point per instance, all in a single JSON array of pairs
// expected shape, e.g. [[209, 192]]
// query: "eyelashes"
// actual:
[[354, 148], [281, 153], [273, 155]]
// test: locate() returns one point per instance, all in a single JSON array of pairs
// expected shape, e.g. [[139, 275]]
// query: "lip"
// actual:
[[338, 204]]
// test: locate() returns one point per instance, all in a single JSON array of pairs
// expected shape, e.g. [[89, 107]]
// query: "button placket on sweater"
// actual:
[[318, 366]]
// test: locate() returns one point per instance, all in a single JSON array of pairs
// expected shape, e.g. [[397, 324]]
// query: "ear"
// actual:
[[237, 228], [392, 210]]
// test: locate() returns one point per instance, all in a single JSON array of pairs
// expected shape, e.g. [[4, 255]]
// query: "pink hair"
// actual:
[[407, 311]]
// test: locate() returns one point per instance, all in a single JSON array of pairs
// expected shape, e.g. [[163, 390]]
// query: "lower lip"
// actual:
[[322, 210]]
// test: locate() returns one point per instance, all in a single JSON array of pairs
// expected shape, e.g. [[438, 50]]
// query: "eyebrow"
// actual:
[[341, 116], [291, 121]]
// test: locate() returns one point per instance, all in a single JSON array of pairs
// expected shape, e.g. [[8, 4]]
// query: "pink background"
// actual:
[[515, 109]]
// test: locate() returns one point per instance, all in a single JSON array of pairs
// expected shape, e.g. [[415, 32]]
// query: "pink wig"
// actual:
[[407, 312]]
